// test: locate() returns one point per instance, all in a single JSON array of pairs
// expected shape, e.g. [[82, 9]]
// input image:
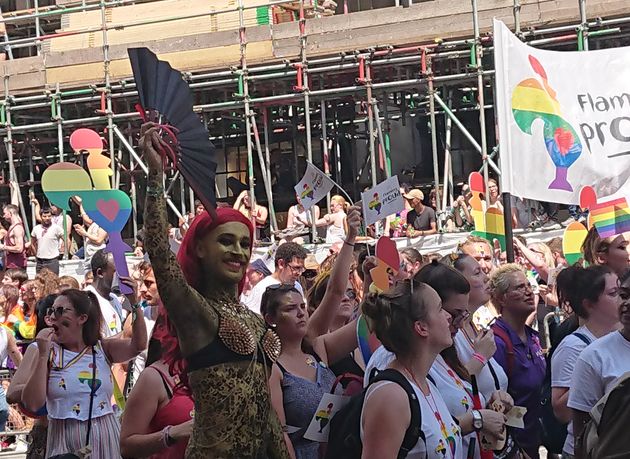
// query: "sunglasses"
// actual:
[[57, 312]]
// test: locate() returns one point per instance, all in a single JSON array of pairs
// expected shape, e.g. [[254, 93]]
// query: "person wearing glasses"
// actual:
[[449, 375], [72, 373], [475, 345], [289, 263], [302, 373], [518, 349]]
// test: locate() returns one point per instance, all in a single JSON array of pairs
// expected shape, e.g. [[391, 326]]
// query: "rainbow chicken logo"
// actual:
[[307, 193], [375, 204], [534, 99]]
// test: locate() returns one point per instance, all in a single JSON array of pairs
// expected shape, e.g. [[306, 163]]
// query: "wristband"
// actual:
[[480, 358], [167, 440], [351, 244]]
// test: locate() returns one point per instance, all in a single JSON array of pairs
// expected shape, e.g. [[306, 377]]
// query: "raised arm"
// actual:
[[34, 392], [323, 316], [185, 305]]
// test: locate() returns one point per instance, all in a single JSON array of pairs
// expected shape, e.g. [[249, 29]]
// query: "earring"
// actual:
[[274, 325]]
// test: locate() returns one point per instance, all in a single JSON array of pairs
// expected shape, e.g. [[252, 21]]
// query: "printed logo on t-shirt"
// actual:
[[76, 409], [465, 403], [62, 384]]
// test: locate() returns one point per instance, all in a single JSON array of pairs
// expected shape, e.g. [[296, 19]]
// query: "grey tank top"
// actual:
[[301, 398]]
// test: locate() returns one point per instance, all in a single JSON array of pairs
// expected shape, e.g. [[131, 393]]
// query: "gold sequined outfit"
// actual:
[[233, 414]]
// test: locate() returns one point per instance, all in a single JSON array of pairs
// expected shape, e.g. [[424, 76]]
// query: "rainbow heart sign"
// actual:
[[109, 209], [563, 120]]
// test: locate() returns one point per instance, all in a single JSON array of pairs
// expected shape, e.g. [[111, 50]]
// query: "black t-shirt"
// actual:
[[422, 221]]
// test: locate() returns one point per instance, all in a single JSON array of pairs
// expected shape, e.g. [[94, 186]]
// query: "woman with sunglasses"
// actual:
[[301, 374], [447, 372], [229, 348], [476, 347], [38, 434], [72, 376], [411, 323]]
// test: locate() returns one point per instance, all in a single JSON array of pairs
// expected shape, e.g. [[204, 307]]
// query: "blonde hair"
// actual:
[[546, 252], [593, 245], [337, 199], [499, 280]]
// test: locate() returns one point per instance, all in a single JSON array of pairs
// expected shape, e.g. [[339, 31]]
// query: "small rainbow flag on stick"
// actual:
[[609, 217]]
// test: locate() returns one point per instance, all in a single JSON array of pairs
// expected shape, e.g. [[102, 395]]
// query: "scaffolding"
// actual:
[[349, 101]]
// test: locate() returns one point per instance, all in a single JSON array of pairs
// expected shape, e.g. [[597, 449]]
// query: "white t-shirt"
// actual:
[[436, 445], [47, 240], [598, 368], [456, 394], [379, 360], [562, 365], [112, 323], [254, 298], [141, 359], [485, 380]]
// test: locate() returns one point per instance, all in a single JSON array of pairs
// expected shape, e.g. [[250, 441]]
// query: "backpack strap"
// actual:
[[509, 347], [585, 339], [415, 426]]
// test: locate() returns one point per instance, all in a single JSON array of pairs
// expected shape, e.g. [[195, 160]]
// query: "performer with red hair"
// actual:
[[229, 349]]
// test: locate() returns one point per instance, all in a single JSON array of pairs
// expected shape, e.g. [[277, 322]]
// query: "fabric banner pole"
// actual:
[[507, 221]]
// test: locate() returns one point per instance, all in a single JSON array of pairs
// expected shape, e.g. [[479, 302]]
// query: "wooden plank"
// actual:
[[192, 60], [192, 42]]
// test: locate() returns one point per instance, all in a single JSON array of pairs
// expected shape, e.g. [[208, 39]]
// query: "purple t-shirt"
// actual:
[[525, 379]]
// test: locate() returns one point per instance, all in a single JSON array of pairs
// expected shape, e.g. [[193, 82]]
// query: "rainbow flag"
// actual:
[[609, 217], [368, 342]]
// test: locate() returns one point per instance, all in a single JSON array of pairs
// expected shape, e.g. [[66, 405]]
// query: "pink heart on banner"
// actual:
[[564, 140], [109, 209]]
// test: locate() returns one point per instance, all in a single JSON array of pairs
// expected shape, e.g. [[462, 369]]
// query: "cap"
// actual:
[[260, 266], [311, 262], [414, 194]]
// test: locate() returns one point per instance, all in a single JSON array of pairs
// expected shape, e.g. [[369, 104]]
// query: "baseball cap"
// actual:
[[414, 194], [260, 266]]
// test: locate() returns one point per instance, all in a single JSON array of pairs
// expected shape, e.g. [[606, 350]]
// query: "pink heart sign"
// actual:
[[109, 209]]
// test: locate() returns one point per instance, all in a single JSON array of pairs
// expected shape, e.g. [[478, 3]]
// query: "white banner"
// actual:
[[564, 120], [382, 201], [313, 187]]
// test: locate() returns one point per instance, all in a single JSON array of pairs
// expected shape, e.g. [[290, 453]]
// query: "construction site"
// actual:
[[370, 89]]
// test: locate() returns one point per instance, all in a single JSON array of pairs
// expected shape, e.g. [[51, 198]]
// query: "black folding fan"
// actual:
[[165, 98]]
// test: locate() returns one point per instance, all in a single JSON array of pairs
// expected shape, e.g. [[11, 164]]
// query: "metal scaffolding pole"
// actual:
[[466, 133], [8, 143], [108, 96], [265, 176], [583, 28], [448, 161], [248, 113], [368, 88], [434, 148], [325, 151], [478, 54], [381, 138]]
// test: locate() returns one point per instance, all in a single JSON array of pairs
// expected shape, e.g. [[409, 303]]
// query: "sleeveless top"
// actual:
[[69, 384], [443, 440], [301, 398], [179, 409], [304, 216], [335, 233], [14, 260]]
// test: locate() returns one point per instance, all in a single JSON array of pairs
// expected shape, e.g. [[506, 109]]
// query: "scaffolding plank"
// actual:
[[192, 42], [191, 60]]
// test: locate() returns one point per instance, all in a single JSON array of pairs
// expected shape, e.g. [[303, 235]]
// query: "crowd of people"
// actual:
[[216, 355]]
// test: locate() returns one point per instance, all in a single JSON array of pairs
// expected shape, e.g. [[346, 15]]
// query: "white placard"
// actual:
[[382, 201]]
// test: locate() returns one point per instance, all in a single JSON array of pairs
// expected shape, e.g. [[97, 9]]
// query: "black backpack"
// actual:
[[554, 432], [344, 439], [607, 437]]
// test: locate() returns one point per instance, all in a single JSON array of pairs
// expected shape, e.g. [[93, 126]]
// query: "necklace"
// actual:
[[310, 361], [447, 442]]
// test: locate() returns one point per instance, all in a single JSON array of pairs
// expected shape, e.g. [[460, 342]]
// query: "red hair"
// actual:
[[164, 331], [199, 228]]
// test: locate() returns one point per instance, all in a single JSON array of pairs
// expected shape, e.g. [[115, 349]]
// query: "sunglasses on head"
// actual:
[[57, 312]]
